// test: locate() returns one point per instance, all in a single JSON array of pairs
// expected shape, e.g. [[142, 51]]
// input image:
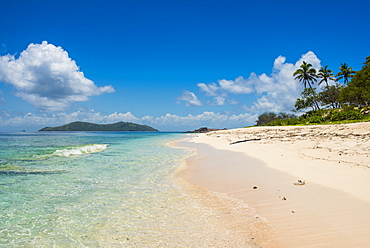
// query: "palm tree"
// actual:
[[325, 74], [345, 72], [308, 77]]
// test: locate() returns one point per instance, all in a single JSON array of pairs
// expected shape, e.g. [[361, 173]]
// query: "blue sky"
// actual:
[[174, 65]]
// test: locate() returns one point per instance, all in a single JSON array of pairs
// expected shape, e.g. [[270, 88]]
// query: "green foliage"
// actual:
[[357, 93], [85, 126], [345, 72], [341, 103], [330, 96], [326, 116], [325, 74], [269, 117], [265, 118], [346, 115], [314, 120], [307, 100], [305, 74], [312, 117], [284, 122], [308, 77]]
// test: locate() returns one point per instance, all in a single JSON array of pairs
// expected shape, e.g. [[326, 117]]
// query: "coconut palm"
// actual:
[[325, 74], [307, 75], [345, 72]]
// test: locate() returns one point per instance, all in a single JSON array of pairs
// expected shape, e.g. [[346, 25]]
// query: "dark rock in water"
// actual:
[[204, 130]]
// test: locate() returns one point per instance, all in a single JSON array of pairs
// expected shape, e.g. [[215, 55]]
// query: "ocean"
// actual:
[[110, 189]]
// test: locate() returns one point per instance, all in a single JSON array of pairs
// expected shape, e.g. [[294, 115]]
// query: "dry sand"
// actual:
[[332, 208]]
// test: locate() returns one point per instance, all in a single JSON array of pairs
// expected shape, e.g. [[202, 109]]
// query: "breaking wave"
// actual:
[[74, 150], [80, 150]]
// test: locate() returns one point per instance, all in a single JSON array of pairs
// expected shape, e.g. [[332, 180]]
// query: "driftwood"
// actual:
[[240, 141]]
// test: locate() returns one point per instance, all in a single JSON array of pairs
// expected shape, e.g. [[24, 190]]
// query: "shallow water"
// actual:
[[109, 189]]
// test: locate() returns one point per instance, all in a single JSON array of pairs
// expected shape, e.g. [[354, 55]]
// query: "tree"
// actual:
[[345, 73], [357, 92], [307, 100], [265, 118], [330, 96], [325, 74], [307, 75], [268, 117]]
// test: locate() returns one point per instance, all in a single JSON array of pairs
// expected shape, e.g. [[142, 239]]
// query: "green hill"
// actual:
[[86, 126]]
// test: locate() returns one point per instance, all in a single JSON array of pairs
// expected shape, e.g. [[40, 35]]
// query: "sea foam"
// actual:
[[92, 148]]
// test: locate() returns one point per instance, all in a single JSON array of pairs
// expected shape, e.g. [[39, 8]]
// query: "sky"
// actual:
[[175, 65]]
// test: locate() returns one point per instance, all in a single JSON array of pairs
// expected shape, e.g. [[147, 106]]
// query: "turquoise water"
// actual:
[[108, 189]]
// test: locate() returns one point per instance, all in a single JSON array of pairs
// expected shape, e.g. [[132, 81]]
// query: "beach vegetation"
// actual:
[[307, 76], [337, 102], [330, 96], [345, 73], [346, 115], [307, 100], [357, 93], [324, 116], [325, 74], [269, 117]]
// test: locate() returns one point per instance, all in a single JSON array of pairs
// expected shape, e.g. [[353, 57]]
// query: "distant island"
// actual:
[[204, 130], [86, 126]]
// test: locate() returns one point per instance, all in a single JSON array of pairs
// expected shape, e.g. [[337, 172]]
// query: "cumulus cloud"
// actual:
[[237, 86], [47, 78], [276, 91], [219, 101], [209, 119], [167, 122], [190, 99], [210, 89], [223, 87], [279, 91]]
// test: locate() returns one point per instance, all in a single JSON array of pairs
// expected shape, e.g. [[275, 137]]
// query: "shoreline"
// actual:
[[260, 165]]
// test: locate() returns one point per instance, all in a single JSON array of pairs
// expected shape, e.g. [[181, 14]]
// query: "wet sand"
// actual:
[[261, 166]]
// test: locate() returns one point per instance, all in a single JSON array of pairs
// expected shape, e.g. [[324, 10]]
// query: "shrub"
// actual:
[[315, 119], [346, 115], [272, 119]]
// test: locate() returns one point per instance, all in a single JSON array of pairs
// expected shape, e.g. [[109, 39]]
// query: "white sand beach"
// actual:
[[328, 207]]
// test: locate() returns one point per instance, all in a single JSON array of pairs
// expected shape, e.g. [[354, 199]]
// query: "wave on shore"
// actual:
[[92, 148], [77, 150]]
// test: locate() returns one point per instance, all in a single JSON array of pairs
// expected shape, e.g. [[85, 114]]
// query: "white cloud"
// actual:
[[276, 91], [210, 89], [190, 99], [233, 101], [224, 87], [47, 78], [236, 86], [168, 122], [219, 101], [279, 91], [208, 119]]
